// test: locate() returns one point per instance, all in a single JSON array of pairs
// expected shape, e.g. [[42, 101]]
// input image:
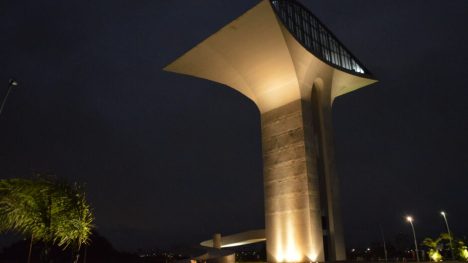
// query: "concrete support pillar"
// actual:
[[322, 134], [217, 241], [291, 183], [336, 245]]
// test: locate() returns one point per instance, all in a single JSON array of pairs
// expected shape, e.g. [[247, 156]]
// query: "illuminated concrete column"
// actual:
[[280, 56], [291, 183], [321, 133], [217, 240]]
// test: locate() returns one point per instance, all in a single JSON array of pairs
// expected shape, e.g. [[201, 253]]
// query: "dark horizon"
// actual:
[[156, 150]]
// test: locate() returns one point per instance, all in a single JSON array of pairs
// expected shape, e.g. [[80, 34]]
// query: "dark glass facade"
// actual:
[[315, 37]]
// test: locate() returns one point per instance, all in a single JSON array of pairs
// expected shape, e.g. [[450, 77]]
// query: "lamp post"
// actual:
[[410, 220], [449, 233], [384, 244], [11, 84]]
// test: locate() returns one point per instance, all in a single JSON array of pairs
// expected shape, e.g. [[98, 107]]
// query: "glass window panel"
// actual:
[[316, 46], [315, 37]]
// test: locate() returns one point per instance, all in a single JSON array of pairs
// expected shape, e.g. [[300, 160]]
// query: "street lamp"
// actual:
[[449, 233], [384, 244], [11, 84], [410, 220]]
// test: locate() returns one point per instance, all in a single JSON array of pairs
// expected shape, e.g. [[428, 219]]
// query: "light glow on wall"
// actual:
[[292, 254], [289, 246]]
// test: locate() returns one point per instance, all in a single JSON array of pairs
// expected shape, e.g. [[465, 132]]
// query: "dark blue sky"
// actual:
[[168, 160]]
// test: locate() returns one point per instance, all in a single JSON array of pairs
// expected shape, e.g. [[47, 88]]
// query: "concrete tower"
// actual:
[[279, 55]]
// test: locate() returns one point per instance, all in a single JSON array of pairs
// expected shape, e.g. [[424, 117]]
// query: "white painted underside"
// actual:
[[258, 57]]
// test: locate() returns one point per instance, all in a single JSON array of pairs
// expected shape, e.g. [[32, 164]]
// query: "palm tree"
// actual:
[[48, 210], [433, 245], [73, 221], [436, 245]]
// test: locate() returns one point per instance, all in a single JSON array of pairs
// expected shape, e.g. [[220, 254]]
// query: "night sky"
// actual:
[[168, 160]]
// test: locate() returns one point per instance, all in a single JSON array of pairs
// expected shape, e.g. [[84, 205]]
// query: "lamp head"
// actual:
[[409, 219], [442, 213], [13, 83]]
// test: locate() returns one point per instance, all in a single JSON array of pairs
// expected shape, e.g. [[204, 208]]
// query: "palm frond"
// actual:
[[49, 209]]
